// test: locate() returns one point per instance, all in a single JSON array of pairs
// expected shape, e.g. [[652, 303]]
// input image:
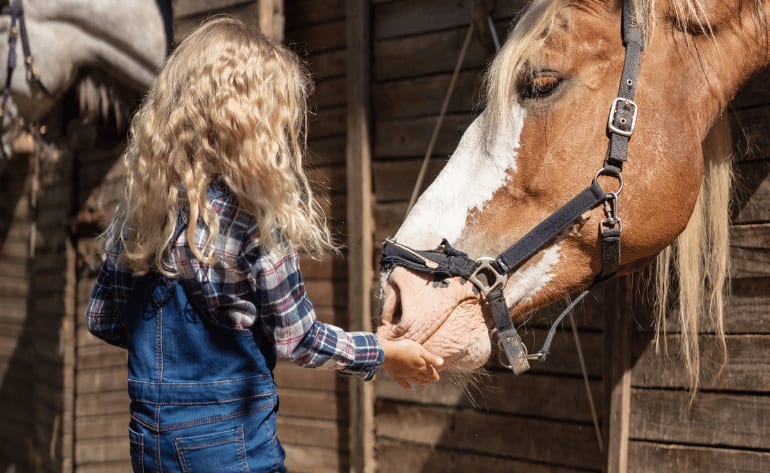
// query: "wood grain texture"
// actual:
[[405, 17], [662, 458], [746, 369], [717, 419], [403, 457], [472, 431]]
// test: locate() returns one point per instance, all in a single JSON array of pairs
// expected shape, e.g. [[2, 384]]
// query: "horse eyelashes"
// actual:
[[538, 86]]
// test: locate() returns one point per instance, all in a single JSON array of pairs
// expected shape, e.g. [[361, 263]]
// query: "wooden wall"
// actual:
[[16, 333], [36, 260], [726, 427], [314, 414]]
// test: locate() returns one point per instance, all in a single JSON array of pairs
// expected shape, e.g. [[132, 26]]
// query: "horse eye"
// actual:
[[538, 86]]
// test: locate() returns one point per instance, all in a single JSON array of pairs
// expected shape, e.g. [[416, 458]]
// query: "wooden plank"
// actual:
[[197, 7], [307, 12], [661, 458], [747, 306], [316, 38], [100, 356], [105, 467], [115, 449], [329, 178], [423, 96], [327, 268], [720, 419], [409, 138], [246, 12], [617, 377], [322, 405], [565, 444], [304, 459], [327, 64], [746, 368], [291, 376], [754, 93], [745, 310], [394, 180], [97, 427], [427, 54], [96, 381], [404, 17], [329, 122], [329, 93], [750, 251], [388, 216], [326, 151], [103, 403], [408, 458], [751, 197], [751, 130], [312, 432], [360, 224], [497, 392], [324, 292]]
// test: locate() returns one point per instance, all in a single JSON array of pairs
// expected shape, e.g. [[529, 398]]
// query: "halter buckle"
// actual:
[[486, 277], [622, 124]]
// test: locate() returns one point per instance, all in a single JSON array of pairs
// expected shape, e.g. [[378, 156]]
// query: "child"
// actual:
[[201, 281]]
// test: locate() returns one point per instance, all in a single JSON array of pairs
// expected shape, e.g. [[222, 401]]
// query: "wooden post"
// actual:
[[271, 19], [359, 222], [617, 378]]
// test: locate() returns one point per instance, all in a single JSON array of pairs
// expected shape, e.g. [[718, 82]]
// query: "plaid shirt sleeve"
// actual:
[[109, 296], [290, 320]]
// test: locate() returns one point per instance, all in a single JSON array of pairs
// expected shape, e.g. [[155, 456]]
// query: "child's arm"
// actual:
[[113, 285], [288, 318]]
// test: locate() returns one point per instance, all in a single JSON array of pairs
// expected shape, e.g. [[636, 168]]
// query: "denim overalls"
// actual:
[[203, 398]]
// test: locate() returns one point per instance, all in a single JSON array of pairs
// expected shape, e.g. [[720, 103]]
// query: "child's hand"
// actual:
[[407, 360]]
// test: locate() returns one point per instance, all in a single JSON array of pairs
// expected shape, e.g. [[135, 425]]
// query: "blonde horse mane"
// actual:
[[699, 259]]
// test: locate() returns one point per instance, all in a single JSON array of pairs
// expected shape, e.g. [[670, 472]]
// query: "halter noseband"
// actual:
[[490, 275]]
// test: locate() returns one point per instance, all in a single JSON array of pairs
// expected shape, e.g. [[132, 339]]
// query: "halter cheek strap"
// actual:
[[490, 275]]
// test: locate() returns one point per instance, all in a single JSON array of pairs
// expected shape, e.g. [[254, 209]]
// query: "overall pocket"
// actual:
[[223, 452], [136, 441]]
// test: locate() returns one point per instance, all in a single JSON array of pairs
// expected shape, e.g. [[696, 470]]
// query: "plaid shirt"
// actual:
[[246, 288]]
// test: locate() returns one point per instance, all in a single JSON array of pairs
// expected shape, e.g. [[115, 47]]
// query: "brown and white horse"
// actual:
[[541, 140]]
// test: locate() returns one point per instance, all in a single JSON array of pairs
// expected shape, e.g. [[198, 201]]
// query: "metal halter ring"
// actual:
[[491, 277], [611, 173]]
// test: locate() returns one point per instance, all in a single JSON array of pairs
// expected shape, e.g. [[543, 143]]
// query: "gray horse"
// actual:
[[99, 45]]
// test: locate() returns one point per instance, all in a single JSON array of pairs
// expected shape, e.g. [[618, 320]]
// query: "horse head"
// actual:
[[552, 104], [126, 41]]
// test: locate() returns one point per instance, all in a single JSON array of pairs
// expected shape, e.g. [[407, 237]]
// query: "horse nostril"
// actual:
[[396, 318]]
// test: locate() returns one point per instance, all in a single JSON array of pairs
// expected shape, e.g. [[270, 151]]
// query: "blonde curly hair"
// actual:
[[228, 105]]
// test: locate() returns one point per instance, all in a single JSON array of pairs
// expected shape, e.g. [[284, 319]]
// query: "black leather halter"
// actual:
[[18, 29], [490, 275]]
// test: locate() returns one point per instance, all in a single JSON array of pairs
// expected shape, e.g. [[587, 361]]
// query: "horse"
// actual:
[[532, 206], [106, 48]]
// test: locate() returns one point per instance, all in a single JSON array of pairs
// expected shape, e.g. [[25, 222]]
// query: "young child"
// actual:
[[201, 281]]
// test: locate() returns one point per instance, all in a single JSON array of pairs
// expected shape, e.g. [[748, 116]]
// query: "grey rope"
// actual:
[[585, 381]]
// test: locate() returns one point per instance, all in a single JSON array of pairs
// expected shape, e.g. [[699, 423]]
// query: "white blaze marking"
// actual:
[[467, 182], [470, 178]]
